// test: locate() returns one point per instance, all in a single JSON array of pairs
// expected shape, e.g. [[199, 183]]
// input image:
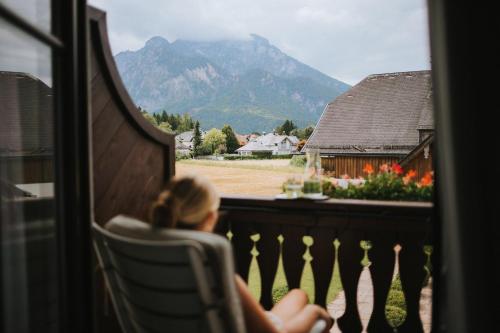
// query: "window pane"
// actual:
[[35, 11], [28, 235]]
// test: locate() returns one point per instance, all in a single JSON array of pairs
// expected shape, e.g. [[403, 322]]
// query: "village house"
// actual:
[[270, 143], [184, 142], [386, 118], [243, 139]]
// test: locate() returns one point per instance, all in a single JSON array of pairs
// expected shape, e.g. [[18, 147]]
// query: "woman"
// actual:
[[192, 203]]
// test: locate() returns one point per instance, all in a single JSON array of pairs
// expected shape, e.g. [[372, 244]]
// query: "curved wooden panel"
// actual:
[[132, 160]]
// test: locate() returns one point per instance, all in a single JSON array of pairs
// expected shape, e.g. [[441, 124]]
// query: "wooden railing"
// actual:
[[386, 226]]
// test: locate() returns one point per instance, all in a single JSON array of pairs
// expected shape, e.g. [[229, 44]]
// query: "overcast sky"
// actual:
[[346, 39]]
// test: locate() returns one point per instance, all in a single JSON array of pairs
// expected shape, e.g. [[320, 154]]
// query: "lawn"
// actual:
[[244, 177]]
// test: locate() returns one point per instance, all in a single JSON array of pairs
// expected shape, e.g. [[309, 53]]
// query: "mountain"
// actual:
[[249, 84]]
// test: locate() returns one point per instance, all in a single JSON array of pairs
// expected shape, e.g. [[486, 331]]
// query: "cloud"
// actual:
[[346, 39]]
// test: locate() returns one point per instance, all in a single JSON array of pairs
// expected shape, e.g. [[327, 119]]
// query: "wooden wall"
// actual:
[[420, 164], [132, 160], [28, 169], [353, 165]]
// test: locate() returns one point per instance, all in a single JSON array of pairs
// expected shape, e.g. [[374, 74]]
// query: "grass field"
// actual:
[[247, 177]]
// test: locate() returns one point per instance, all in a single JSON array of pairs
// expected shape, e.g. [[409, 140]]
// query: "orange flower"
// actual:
[[397, 169], [409, 176], [426, 179], [384, 168], [368, 169]]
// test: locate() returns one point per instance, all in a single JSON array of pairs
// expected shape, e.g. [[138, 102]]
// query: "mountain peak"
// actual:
[[247, 83], [156, 41], [259, 39]]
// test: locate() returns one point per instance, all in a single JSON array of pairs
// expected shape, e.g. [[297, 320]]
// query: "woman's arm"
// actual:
[[256, 319]]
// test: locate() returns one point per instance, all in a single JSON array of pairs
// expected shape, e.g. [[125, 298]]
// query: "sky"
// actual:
[[346, 39]]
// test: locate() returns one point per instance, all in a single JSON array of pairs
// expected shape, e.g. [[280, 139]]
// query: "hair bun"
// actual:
[[165, 211]]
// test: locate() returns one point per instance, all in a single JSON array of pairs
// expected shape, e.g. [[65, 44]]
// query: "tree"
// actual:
[[150, 118], [196, 139], [286, 128], [232, 142], [304, 133], [165, 127], [185, 123], [307, 132], [215, 141]]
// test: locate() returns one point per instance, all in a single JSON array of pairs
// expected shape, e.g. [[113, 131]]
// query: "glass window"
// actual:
[[28, 260], [37, 12]]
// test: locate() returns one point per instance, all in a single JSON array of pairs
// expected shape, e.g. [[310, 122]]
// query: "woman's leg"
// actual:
[[256, 319], [293, 302]]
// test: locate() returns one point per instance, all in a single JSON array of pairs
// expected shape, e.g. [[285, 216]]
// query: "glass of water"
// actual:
[[293, 186]]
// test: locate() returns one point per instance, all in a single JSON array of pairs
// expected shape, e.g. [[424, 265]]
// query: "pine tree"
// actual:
[[231, 141], [196, 139], [286, 128], [164, 117]]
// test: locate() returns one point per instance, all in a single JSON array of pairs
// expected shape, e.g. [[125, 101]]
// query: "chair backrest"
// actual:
[[168, 280]]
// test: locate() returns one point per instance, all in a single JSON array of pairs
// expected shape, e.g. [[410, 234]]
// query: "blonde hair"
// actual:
[[186, 200]]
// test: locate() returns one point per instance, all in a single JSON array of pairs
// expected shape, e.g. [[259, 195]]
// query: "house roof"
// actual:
[[254, 146], [426, 120], [185, 136], [270, 139], [380, 115], [293, 139], [242, 139], [27, 126]]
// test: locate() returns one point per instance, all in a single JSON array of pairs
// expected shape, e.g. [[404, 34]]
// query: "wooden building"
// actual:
[[382, 119]]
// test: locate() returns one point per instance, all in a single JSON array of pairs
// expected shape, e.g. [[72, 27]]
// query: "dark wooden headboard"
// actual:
[[132, 159]]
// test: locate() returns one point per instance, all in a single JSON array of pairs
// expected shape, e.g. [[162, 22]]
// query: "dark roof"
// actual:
[[27, 115], [380, 115]]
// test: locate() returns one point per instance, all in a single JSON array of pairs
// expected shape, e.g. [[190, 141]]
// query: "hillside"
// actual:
[[249, 84]]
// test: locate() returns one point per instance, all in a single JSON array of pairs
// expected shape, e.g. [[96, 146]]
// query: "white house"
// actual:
[[184, 141], [276, 144]]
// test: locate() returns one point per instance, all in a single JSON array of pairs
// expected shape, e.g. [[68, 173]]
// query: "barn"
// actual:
[[386, 118]]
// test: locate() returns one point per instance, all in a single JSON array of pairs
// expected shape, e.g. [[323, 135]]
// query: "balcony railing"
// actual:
[[396, 234]]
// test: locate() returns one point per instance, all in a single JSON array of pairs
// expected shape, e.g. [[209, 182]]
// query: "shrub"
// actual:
[[395, 315], [232, 157], [395, 309], [279, 292], [298, 161], [179, 156], [396, 298], [240, 157]]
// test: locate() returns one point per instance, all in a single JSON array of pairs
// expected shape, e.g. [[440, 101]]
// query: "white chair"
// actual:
[[170, 280]]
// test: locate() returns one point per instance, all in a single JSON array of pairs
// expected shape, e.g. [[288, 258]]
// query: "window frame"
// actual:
[[73, 213]]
